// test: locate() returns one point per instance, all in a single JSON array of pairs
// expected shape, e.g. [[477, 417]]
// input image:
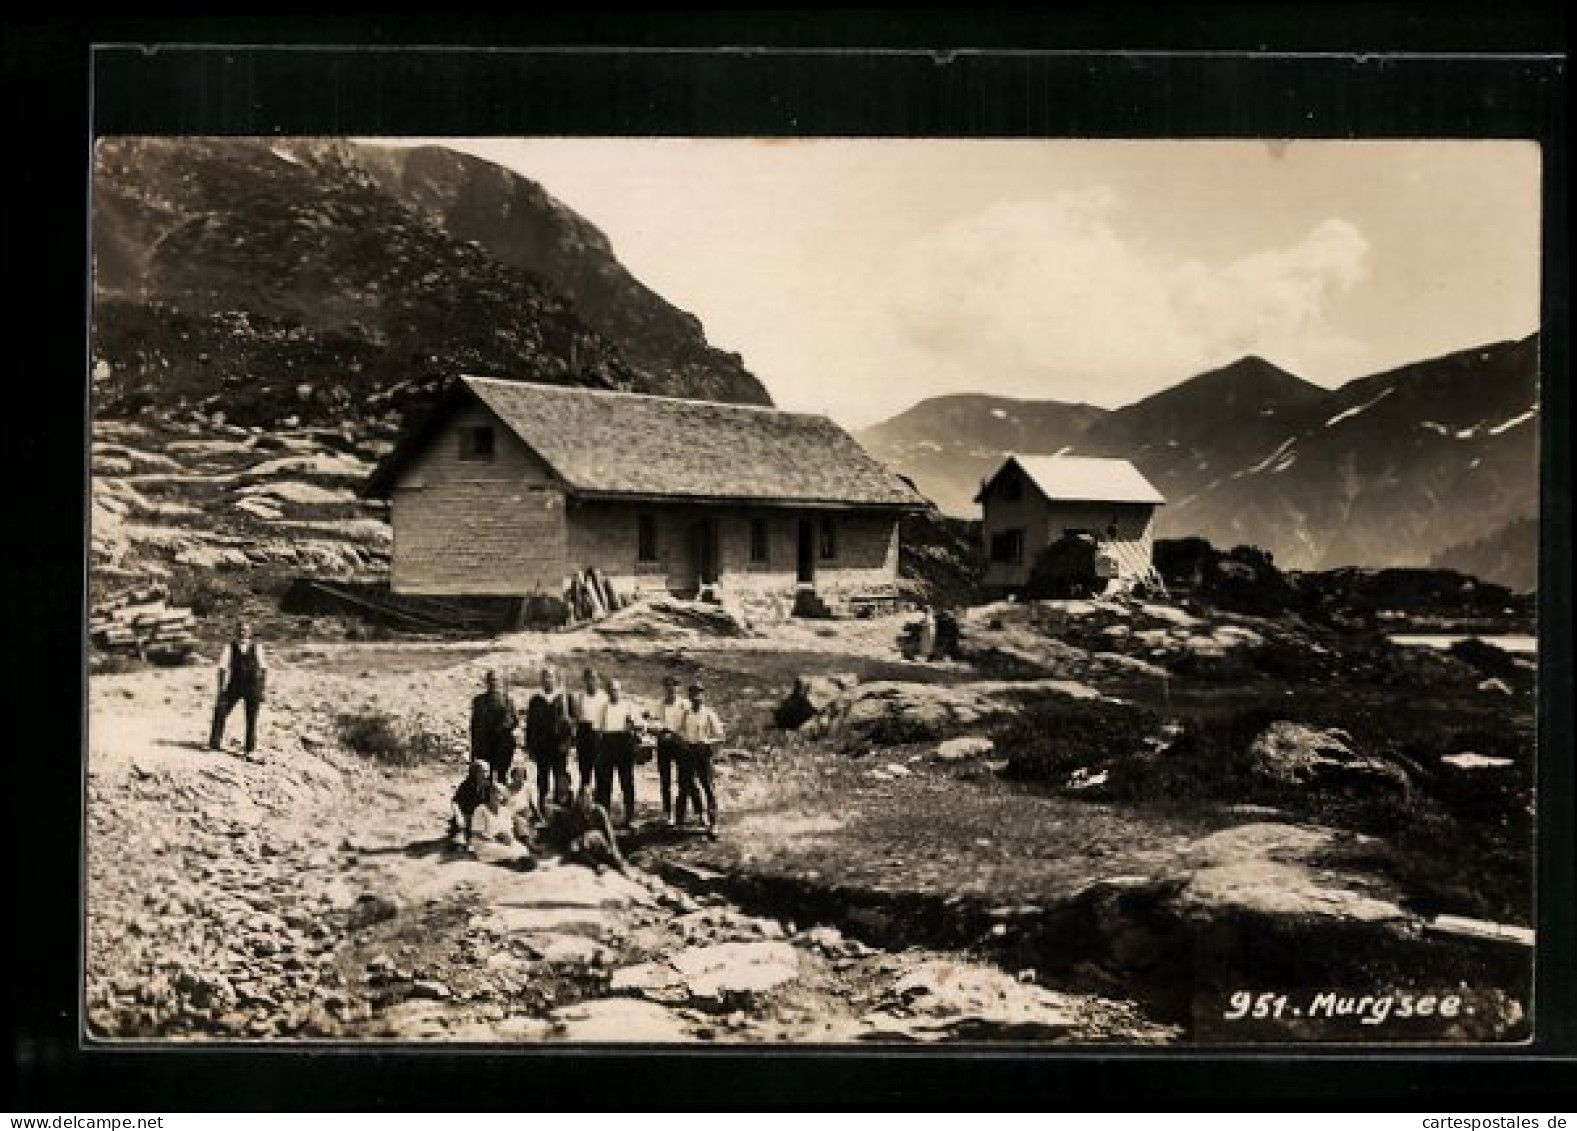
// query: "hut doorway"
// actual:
[[805, 558], [705, 534]]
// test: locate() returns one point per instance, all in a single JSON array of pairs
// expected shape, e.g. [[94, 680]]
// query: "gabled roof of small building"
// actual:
[[615, 444], [1082, 479]]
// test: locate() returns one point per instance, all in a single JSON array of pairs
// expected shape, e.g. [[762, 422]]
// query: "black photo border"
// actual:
[[1112, 70]]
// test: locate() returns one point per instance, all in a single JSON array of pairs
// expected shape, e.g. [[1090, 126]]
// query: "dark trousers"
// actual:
[[552, 765], [228, 698], [616, 755], [586, 740], [466, 815], [499, 758], [670, 752], [695, 781]]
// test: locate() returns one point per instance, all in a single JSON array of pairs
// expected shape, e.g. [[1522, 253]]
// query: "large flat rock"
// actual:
[[736, 967], [620, 1019]]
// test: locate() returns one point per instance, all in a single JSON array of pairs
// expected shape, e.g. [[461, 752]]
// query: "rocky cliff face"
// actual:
[[519, 224]]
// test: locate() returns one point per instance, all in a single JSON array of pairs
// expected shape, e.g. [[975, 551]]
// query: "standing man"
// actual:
[[621, 726], [588, 708], [548, 729], [671, 753], [243, 674], [702, 730], [493, 722]]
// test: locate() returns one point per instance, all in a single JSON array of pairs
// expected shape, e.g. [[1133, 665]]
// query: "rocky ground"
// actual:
[[304, 893], [905, 867], [224, 516]]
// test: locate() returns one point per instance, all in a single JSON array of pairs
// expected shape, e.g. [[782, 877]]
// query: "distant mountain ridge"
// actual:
[[949, 444], [1393, 469]]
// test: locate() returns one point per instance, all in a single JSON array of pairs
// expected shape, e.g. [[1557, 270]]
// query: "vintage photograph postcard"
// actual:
[[819, 590]]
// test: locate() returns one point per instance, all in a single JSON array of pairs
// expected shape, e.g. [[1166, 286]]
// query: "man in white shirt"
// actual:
[[243, 674], [622, 721], [587, 707], [701, 730], [671, 752]]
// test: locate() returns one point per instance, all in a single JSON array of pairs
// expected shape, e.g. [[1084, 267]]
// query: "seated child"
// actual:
[[471, 795]]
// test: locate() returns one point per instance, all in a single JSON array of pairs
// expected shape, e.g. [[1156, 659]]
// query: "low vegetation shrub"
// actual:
[[1293, 661], [1050, 739], [113, 663], [381, 737], [1209, 760], [898, 730], [1490, 660]]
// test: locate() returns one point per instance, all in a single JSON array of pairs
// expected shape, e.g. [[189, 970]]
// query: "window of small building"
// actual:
[[1012, 488], [646, 538], [759, 546], [1007, 546], [476, 443], [829, 539]]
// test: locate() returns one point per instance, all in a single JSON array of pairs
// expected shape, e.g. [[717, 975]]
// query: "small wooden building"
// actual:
[[1031, 501], [509, 488]]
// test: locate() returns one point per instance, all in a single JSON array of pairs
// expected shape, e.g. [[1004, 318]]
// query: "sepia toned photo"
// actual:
[[825, 591]]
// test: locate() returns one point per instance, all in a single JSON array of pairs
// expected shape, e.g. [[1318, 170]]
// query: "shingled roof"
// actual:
[[1083, 479], [613, 444]]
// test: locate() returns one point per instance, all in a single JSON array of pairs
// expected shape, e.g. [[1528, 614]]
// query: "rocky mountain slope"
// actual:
[[516, 222], [1508, 555], [1392, 469], [268, 313], [270, 279]]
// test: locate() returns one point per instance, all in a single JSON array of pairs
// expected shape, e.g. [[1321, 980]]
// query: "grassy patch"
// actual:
[[1048, 741], [381, 737]]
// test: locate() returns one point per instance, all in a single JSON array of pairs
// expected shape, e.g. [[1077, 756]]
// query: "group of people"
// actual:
[[609, 734]]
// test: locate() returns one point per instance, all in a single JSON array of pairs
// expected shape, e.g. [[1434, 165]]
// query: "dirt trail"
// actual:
[[303, 894]]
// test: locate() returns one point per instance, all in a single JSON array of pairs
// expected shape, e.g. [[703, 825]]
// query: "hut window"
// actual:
[[476, 443], [1012, 489], [646, 538], [829, 539], [758, 541], [1008, 546]]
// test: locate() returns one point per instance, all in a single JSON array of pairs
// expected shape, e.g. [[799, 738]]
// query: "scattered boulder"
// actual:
[[893, 712], [966, 746], [810, 696], [1270, 869], [946, 1000], [1300, 755]]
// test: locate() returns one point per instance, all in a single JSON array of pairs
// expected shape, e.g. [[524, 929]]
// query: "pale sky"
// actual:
[[857, 277]]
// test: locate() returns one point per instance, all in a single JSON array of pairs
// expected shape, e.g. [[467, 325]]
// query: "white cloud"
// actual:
[[1048, 297]]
